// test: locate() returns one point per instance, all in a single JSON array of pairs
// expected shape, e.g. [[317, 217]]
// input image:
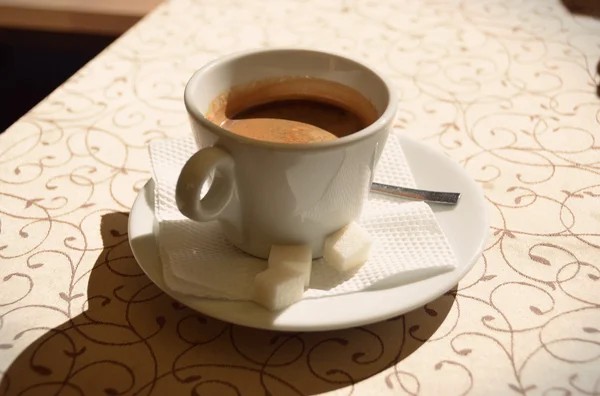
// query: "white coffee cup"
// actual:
[[266, 193]]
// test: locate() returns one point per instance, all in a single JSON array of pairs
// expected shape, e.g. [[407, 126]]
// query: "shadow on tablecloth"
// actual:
[[133, 339], [583, 7]]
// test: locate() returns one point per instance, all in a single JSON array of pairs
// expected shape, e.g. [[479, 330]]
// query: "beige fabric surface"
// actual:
[[506, 88]]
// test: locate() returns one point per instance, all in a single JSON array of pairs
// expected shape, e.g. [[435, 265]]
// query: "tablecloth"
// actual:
[[506, 88]]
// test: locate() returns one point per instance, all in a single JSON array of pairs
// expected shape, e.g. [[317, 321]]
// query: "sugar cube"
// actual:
[[297, 257], [278, 288], [347, 248]]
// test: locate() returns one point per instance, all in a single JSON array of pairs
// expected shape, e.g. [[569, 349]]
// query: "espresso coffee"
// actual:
[[293, 110]]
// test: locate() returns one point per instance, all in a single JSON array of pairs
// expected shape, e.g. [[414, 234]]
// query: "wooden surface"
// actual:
[[90, 16]]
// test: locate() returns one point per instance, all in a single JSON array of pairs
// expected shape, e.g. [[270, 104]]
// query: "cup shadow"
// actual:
[[132, 339]]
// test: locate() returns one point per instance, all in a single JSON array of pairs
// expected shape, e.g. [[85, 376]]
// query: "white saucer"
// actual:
[[466, 226]]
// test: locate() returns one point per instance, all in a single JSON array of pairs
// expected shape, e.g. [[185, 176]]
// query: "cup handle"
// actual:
[[194, 174]]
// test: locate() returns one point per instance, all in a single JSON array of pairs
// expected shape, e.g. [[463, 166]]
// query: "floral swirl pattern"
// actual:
[[506, 88]]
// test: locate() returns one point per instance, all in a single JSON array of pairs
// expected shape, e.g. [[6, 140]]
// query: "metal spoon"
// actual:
[[449, 198]]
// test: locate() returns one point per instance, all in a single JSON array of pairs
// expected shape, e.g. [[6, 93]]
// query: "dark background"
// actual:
[[34, 63]]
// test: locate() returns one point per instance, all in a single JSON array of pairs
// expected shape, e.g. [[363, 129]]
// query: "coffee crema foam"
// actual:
[[292, 110]]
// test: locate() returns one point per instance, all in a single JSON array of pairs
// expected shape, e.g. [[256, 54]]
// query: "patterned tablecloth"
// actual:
[[506, 88]]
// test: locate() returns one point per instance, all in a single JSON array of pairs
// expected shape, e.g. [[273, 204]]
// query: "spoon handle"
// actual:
[[449, 198]]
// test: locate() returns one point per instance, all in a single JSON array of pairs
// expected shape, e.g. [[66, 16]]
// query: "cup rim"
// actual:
[[385, 118]]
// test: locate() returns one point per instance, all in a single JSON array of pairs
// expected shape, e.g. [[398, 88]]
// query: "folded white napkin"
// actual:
[[198, 260]]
